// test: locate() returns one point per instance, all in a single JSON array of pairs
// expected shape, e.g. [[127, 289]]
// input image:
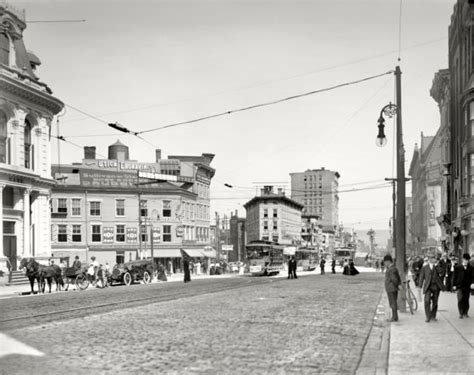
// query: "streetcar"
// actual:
[[264, 258], [342, 253], [306, 258]]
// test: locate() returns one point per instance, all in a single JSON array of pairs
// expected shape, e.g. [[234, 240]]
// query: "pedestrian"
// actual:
[[187, 274], [170, 267], [333, 265], [431, 285], [382, 266], [321, 264], [352, 270], [392, 283], [93, 269], [377, 266], [463, 280], [77, 265], [292, 268]]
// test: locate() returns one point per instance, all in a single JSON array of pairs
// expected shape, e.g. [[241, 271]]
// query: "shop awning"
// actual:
[[211, 253], [194, 253], [167, 253]]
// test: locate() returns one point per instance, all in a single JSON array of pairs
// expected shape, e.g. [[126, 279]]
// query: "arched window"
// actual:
[[29, 162], [3, 139]]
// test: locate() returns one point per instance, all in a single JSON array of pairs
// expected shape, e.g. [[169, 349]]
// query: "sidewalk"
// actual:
[[442, 347]]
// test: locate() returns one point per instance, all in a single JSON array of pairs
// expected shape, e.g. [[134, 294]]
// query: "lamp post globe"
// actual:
[[381, 141]]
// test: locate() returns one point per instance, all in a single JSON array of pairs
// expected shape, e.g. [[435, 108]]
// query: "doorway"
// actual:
[[9, 244]]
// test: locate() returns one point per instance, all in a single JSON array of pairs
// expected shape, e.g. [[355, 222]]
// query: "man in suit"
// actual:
[[292, 268], [463, 278], [431, 284], [392, 283]]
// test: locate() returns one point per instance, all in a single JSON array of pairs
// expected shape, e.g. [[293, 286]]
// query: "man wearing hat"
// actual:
[[431, 284], [463, 279], [392, 282]]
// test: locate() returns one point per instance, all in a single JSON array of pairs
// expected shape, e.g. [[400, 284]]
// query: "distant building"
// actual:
[[317, 190], [120, 209], [27, 109], [237, 238], [426, 173], [461, 117], [272, 216]]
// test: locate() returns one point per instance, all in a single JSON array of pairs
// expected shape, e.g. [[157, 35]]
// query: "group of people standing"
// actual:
[[433, 275]]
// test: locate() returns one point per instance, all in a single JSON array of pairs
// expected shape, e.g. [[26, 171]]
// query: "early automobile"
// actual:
[[133, 271]]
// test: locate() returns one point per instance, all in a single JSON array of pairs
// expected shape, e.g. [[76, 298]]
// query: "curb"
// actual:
[[375, 353]]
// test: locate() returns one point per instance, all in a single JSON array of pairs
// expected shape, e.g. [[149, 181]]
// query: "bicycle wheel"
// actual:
[[82, 282], [413, 301]]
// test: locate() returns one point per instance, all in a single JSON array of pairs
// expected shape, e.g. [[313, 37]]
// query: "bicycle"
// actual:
[[410, 297]]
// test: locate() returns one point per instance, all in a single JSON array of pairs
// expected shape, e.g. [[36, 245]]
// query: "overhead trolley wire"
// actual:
[[265, 104]]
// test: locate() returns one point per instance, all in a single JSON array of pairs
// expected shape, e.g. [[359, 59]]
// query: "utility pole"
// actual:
[[401, 218], [218, 239], [394, 200], [139, 217]]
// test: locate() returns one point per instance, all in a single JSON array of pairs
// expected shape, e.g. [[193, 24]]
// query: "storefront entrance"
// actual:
[[9, 249]]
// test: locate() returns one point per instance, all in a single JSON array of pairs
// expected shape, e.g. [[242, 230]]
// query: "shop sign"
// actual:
[[108, 235], [227, 248], [179, 231], [132, 235], [156, 234]]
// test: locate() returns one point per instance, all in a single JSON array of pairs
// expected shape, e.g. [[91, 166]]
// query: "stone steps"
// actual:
[[18, 278]]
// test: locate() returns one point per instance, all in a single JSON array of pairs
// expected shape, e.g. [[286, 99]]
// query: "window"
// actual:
[[471, 117], [265, 212], [76, 233], [120, 207], [95, 208], [8, 197], [76, 207], [265, 225], [120, 233], [62, 233], [167, 209], [3, 139], [144, 233], [166, 233], [62, 205], [275, 212], [29, 162], [275, 239], [96, 233], [275, 225], [143, 208], [265, 238]]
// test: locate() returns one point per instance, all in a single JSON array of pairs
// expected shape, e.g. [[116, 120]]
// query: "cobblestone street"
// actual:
[[310, 325]]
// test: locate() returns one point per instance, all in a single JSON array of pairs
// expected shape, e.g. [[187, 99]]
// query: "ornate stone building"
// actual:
[[27, 109]]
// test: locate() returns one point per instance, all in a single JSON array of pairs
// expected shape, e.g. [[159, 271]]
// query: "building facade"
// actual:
[[237, 238], [273, 216], [119, 209], [27, 109], [426, 172], [317, 190], [461, 115]]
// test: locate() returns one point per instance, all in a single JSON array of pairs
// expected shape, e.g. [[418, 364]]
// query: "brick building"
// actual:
[[117, 210], [272, 216]]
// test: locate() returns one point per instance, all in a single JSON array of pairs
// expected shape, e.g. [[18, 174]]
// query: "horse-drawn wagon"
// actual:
[[134, 271]]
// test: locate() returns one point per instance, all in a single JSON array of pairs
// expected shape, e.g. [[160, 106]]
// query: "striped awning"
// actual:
[[210, 253]]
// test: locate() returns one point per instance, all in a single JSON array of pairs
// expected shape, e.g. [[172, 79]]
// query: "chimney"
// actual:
[[157, 154], [89, 152]]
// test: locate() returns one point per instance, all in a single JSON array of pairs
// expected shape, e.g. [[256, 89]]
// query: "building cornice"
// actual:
[[28, 90], [20, 178]]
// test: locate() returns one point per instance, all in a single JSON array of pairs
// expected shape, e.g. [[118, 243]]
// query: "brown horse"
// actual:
[[43, 274]]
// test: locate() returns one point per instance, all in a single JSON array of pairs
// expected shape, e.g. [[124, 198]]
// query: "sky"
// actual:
[[147, 63]]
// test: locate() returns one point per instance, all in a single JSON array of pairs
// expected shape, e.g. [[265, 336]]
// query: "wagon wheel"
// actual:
[[82, 282], [66, 282], [146, 277], [127, 278]]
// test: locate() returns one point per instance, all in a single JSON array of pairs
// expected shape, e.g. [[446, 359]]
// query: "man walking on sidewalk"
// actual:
[[462, 280], [392, 282], [431, 284]]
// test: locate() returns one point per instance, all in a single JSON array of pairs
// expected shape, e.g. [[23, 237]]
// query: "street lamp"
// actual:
[[391, 110]]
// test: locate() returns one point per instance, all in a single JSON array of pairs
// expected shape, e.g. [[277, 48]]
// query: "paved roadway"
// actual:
[[236, 325]]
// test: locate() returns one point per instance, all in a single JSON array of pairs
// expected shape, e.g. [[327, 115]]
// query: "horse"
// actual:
[[31, 272], [41, 273]]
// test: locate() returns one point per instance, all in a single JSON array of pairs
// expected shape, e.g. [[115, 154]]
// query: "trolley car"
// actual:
[[306, 258], [264, 258]]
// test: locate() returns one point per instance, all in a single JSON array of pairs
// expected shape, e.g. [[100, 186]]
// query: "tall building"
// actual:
[[237, 238], [120, 209], [317, 190], [461, 72], [273, 216], [27, 109]]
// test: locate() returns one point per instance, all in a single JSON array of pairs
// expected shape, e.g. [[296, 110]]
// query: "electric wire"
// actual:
[[265, 104]]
